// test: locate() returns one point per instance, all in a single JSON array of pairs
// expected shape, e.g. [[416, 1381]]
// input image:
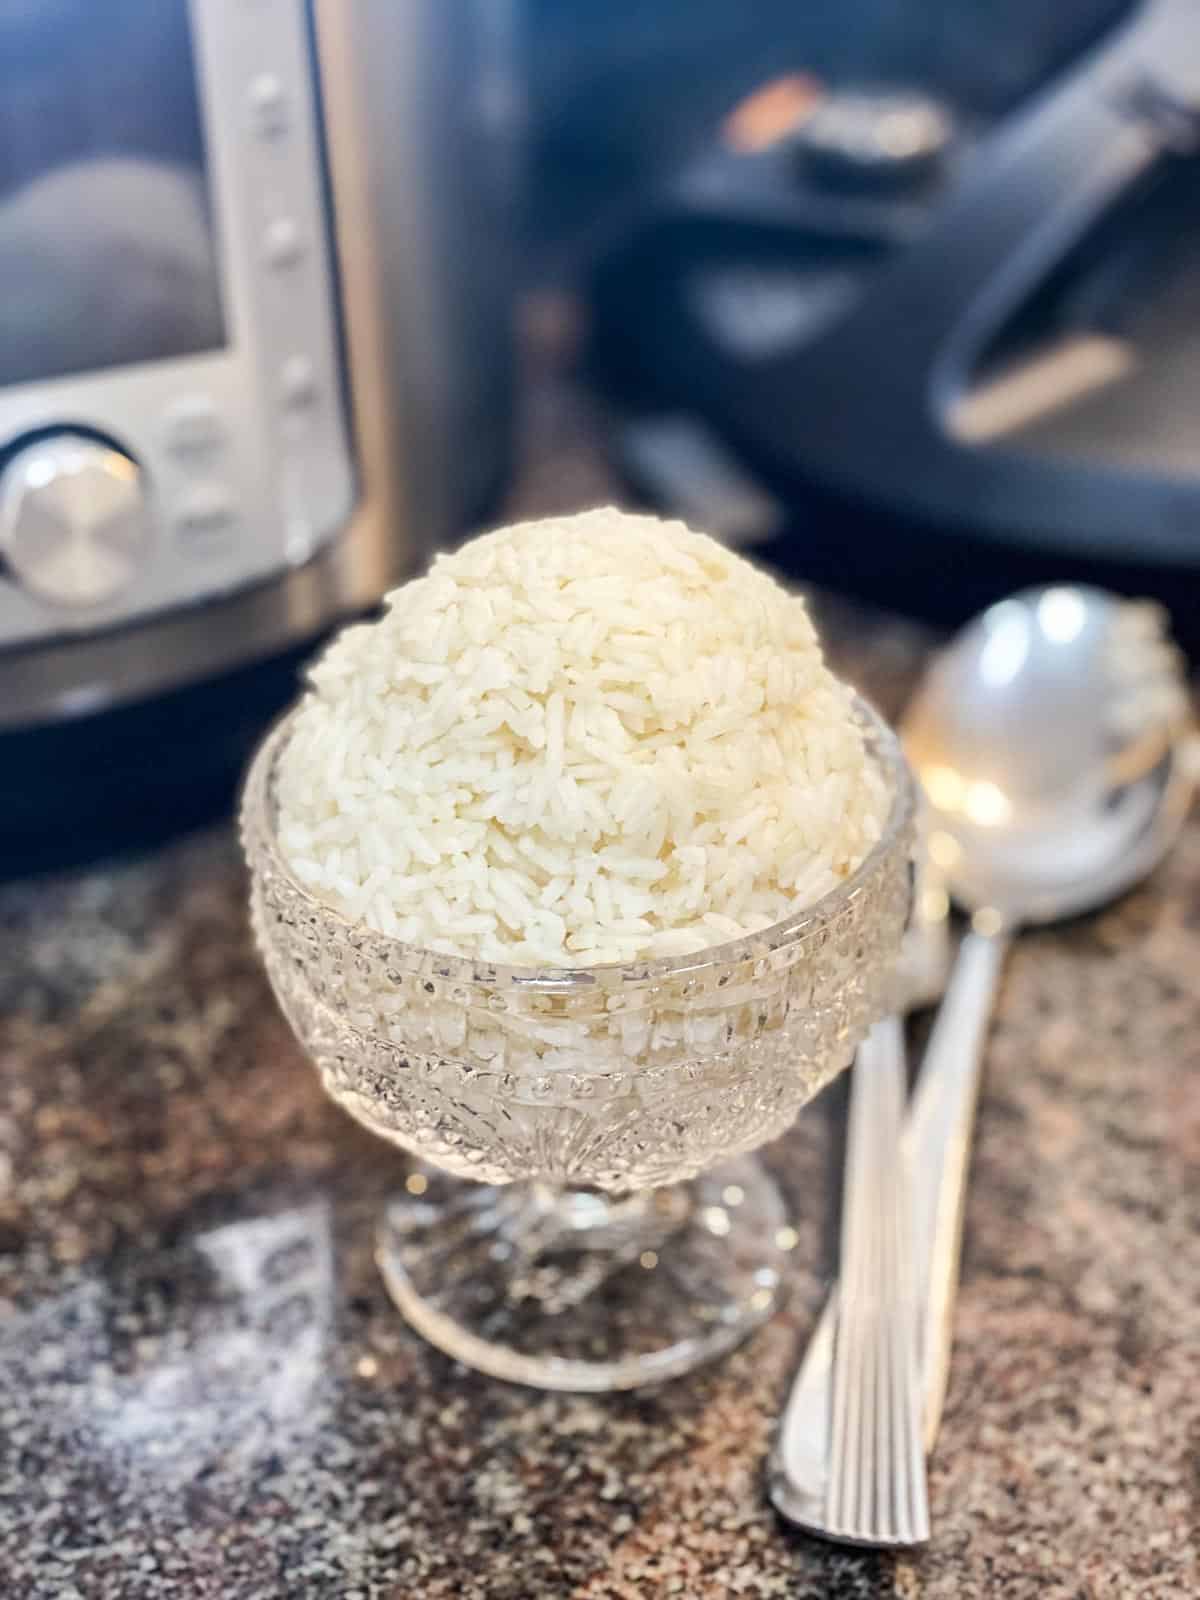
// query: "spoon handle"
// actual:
[[938, 1133], [940, 1128], [848, 1462], [876, 1491]]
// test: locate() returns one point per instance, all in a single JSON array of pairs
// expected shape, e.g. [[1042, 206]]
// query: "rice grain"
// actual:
[[587, 739]]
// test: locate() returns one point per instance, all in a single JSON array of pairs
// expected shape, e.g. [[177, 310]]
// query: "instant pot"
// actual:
[[254, 366], [951, 345]]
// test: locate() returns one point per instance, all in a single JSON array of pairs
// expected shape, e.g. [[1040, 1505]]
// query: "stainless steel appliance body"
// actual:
[[250, 370]]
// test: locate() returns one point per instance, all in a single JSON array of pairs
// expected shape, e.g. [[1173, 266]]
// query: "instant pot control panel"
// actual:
[[171, 417]]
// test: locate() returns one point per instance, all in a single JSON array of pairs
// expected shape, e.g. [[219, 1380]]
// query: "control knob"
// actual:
[[74, 526]]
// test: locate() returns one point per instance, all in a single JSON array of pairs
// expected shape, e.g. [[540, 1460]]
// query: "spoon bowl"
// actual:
[[1052, 741], [1049, 739]]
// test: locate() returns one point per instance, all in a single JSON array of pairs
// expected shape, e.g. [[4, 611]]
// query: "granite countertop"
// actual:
[[205, 1391]]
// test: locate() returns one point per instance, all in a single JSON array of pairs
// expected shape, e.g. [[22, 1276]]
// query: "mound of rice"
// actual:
[[592, 738]]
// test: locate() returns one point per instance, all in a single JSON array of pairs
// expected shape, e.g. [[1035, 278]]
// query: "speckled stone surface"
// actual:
[[205, 1392]]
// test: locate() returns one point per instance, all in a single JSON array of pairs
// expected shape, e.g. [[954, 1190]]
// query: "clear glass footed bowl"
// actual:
[[612, 1235]]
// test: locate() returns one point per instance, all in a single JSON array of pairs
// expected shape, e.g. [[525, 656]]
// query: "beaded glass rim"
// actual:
[[260, 844]]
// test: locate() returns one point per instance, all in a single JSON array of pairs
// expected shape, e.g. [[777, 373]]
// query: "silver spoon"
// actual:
[[1051, 738]]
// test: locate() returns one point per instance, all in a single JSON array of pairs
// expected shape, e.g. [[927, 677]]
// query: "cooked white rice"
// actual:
[[592, 738]]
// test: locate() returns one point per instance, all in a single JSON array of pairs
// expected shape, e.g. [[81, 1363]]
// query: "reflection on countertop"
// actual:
[[204, 1390]]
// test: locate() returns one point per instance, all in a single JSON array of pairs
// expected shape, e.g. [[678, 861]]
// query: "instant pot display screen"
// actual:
[[107, 253]]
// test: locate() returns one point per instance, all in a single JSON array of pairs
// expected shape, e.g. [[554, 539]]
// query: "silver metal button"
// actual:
[[268, 106], [193, 427], [283, 245], [73, 520], [204, 512], [297, 383]]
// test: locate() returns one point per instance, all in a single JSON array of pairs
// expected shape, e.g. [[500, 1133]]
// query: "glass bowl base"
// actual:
[[578, 1290]]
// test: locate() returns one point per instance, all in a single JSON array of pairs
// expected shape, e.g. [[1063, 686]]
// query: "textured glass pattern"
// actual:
[[611, 1077]]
